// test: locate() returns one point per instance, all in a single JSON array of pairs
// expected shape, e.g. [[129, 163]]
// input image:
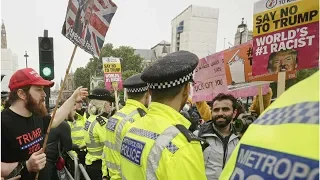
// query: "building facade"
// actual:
[[243, 34], [195, 30], [9, 60], [151, 55], [96, 82], [69, 87]]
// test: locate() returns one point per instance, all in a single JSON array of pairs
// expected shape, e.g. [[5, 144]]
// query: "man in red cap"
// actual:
[[25, 123]]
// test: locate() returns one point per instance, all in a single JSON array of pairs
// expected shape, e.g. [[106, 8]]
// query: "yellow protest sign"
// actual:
[[286, 16]]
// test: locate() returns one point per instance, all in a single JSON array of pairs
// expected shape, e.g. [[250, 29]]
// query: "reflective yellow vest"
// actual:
[[77, 131], [116, 126], [2, 108], [95, 136], [154, 148], [283, 143]]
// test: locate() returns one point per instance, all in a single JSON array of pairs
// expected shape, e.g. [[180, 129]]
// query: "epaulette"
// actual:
[[101, 120], [191, 137], [141, 112], [188, 134]]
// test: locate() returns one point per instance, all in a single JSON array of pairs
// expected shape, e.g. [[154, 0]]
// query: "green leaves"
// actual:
[[130, 64]]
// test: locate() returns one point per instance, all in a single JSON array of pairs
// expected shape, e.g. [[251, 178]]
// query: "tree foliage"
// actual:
[[82, 77], [127, 74], [130, 64]]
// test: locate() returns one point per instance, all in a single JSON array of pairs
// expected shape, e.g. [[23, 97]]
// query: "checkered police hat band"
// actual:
[[137, 90], [170, 84]]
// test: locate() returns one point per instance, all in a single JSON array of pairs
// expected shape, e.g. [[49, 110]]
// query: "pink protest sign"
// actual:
[[248, 89], [292, 49], [209, 78], [285, 36], [112, 73]]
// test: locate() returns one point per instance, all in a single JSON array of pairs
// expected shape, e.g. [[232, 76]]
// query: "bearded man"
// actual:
[[219, 134], [25, 123]]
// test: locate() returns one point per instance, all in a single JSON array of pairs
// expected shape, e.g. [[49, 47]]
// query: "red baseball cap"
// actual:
[[27, 77]]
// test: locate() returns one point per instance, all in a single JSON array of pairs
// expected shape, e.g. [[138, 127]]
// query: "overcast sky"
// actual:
[[137, 23]]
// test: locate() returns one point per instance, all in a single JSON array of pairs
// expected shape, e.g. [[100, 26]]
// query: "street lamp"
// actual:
[[241, 28], [26, 56]]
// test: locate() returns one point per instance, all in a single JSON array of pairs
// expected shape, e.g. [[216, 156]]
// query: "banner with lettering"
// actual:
[[238, 65], [209, 78], [87, 22], [112, 72], [285, 35]]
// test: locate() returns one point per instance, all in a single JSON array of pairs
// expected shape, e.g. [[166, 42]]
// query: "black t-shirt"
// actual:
[[21, 136]]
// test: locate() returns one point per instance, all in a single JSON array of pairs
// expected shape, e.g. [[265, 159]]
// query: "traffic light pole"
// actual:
[[47, 91]]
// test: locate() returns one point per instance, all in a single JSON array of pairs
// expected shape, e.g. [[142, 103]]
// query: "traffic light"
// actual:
[[46, 60]]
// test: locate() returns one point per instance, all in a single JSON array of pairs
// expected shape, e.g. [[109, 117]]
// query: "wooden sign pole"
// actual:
[[125, 95], [281, 83], [56, 107], [261, 105], [115, 88]]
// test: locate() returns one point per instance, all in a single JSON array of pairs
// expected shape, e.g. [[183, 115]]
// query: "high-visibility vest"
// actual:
[[283, 143], [94, 136], [115, 130], [77, 131], [160, 146]]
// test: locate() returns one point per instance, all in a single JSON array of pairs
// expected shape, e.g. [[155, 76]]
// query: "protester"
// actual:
[[255, 106], [165, 148], [220, 135], [95, 132], [25, 122]]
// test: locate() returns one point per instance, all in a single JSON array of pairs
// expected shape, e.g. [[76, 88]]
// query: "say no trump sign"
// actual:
[[285, 35]]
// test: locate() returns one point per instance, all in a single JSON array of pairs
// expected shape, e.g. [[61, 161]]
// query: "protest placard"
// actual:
[[238, 65], [112, 72], [285, 35], [209, 78]]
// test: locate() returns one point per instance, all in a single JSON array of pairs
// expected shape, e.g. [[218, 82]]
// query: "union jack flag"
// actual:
[[87, 22]]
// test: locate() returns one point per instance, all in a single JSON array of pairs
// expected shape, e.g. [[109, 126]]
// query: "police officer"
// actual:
[[95, 132], [283, 143], [77, 132], [159, 145], [135, 108]]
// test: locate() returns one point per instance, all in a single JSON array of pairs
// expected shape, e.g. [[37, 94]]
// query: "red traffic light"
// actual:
[[46, 44]]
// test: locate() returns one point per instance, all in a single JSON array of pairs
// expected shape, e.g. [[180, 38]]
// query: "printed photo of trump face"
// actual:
[[284, 60]]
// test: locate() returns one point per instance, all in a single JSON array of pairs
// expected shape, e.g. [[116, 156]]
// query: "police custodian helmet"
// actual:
[[171, 70]]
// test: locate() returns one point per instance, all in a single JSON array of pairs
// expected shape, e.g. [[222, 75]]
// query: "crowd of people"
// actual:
[[159, 133]]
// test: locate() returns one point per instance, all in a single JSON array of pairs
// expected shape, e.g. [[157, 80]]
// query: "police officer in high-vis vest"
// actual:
[[135, 108], [77, 133], [159, 145], [95, 135], [283, 143]]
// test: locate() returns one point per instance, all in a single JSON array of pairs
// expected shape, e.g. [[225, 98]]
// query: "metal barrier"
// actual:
[[84, 172], [78, 167], [68, 173]]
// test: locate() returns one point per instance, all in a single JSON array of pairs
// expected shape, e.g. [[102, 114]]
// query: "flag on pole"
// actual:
[[87, 22]]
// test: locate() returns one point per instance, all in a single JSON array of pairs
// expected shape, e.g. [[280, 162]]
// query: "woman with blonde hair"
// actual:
[[95, 136]]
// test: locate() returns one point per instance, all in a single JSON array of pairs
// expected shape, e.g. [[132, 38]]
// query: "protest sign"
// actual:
[[87, 22], [238, 65], [112, 72], [209, 78], [249, 89], [285, 35]]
